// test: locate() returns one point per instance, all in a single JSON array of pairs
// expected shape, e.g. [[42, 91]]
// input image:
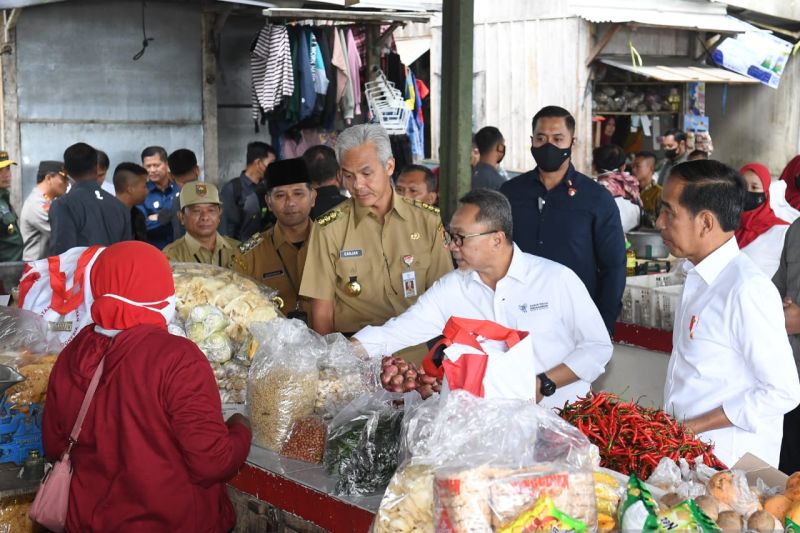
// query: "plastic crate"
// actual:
[[639, 299], [667, 301]]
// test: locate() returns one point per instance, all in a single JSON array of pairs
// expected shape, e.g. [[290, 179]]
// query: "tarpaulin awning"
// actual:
[[675, 69]]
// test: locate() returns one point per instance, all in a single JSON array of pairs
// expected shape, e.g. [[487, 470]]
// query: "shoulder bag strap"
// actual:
[[76, 430]]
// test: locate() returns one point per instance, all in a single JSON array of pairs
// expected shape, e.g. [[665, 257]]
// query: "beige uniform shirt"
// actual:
[[393, 263], [188, 250], [272, 260]]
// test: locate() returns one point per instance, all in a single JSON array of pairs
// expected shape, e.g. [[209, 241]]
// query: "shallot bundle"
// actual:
[[398, 375]]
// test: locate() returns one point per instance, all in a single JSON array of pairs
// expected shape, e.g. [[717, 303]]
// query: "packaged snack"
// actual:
[[282, 383]]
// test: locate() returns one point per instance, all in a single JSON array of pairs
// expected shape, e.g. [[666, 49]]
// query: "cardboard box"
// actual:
[[756, 468]]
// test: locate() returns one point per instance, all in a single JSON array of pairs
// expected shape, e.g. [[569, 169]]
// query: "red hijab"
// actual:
[[788, 175], [762, 218], [132, 285]]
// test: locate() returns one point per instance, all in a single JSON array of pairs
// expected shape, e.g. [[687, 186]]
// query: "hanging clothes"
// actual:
[[340, 62], [270, 68], [318, 72], [422, 94], [348, 100], [354, 62], [308, 95], [416, 134], [324, 38], [395, 71]]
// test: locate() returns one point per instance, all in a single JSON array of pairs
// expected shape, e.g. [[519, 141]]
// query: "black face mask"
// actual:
[[550, 157], [671, 154], [754, 200]]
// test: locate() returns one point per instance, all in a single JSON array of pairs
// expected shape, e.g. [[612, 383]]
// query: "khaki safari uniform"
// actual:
[[187, 249], [372, 271], [10, 237], [272, 260]]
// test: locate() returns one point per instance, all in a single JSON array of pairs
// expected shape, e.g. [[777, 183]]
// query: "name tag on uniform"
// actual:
[[273, 274], [344, 254], [409, 284]]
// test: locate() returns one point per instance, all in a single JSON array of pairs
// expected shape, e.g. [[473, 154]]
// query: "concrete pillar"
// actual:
[[456, 107]]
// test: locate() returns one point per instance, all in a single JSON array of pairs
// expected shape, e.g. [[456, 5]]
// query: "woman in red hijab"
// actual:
[[761, 233], [154, 452], [791, 175]]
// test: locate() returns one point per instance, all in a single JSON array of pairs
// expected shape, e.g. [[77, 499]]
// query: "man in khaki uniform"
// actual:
[[200, 214], [276, 257], [370, 257]]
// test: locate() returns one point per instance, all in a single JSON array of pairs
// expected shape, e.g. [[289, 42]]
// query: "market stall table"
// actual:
[[304, 490]]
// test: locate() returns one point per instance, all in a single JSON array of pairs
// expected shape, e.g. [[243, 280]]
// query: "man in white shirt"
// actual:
[[731, 376], [496, 281]]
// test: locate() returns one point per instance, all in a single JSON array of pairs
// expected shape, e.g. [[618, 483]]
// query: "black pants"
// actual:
[[790, 447]]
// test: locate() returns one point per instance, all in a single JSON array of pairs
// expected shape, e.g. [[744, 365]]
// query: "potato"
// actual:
[[708, 505], [778, 506], [670, 500], [722, 488], [793, 487], [730, 521], [762, 522]]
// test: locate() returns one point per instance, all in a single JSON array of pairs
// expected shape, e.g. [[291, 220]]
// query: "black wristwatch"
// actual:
[[546, 385]]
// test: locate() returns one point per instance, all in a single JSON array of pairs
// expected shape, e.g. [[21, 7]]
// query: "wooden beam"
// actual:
[[602, 43], [10, 110], [456, 109], [211, 25], [347, 15]]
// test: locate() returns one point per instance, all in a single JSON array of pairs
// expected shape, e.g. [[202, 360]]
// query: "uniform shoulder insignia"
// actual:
[[250, 244], [329, 216], [427, 207], [237, 260]]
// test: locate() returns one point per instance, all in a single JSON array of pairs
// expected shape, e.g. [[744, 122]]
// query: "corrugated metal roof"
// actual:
[[675, 70], [683, 14]]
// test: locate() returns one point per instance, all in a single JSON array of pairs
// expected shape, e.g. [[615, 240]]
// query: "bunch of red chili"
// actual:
[[632, 438]]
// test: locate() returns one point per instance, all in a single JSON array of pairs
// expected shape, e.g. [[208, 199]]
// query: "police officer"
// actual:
[[200, 214], [10, 237], [87, 215], [371, 257], [277, 256]]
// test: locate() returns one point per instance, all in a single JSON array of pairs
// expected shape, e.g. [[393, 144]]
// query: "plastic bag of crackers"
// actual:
[[472, 464], [25, 348], [14, 515]]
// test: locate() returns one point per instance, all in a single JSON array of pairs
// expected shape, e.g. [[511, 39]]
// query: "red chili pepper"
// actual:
[[632, 438]]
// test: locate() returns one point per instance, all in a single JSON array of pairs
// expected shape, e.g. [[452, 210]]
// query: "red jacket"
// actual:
[[154, 453]]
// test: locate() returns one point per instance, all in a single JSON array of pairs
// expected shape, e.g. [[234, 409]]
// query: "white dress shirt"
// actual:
[[765, 250], [536, 295], [730, 349]]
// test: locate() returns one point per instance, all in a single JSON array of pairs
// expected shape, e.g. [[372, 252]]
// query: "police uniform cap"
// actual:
[[48, 167], [286, 172], [5, 161], [198, 192]]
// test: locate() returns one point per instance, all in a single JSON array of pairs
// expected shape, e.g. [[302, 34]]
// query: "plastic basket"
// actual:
[[639, 299], [667, 301]]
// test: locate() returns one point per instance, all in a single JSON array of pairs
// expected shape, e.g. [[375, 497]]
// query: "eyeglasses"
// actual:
[[458, 239]]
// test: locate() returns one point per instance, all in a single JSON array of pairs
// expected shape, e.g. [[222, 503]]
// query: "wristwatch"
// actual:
[[546, 385]]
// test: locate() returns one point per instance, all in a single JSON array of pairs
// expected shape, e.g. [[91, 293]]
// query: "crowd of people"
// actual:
[[348, 249]]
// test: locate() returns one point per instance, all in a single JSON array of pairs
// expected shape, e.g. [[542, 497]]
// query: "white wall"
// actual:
[[520, 65], [757, 123]]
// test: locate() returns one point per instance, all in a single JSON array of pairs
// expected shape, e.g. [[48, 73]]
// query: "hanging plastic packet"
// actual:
[[543, 517], [639, 512]]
